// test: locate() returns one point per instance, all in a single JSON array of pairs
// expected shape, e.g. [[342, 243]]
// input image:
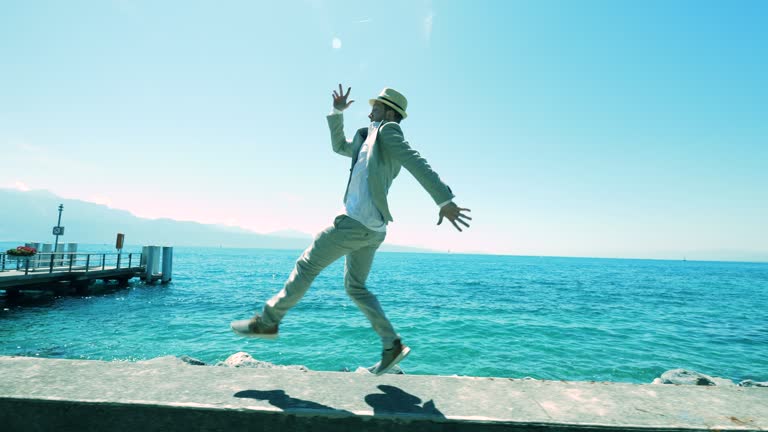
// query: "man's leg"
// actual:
[[356, 269], [334, 242]]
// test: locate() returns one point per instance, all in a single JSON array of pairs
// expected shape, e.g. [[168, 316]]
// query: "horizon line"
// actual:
[[424, 251]]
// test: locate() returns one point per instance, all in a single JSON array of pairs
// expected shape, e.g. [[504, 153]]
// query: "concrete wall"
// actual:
[[44, 394]]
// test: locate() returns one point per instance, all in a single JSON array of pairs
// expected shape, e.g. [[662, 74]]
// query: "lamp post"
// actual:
[[58, 229]]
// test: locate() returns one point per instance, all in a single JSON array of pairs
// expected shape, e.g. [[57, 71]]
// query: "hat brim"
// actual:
[[389, 104]]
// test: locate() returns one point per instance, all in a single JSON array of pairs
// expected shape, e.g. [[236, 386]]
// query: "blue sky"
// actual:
[[594, 128]]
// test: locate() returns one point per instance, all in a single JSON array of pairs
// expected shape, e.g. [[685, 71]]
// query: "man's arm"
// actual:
[[391, 136], [339, 141]]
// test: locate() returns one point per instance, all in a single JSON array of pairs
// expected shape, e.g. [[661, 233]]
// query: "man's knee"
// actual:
[[352, 286], [306, 267]]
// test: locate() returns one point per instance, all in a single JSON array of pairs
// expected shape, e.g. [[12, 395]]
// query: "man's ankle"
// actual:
[[388, 345]]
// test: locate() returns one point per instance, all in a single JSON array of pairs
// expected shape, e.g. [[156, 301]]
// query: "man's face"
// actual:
[[379, 112]]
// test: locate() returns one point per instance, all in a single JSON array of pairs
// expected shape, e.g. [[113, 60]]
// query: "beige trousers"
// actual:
[[351, 239]]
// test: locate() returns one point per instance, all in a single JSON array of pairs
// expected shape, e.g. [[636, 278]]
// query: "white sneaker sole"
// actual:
[[403, 354]]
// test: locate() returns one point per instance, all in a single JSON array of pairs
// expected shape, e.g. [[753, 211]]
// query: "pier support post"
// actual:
[[167, 265], [153, 262], [81, 286], [149, 259], [156, 254]]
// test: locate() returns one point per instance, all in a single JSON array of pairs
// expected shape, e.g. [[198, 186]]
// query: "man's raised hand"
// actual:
[[340, 99], [454, 214]]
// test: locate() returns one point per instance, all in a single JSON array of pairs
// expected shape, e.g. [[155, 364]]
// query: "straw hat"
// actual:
[[393, 99]]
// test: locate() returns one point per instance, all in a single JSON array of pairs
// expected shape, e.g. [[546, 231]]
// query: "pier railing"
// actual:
[[52, 262]]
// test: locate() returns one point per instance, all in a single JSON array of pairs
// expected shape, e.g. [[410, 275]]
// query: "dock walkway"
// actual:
[[49, 270]]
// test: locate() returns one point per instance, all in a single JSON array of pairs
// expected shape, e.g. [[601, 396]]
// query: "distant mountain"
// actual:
[[30, 216], [291, 234]]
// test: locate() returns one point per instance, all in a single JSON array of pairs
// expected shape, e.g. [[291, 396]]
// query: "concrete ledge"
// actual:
[[46, 394]]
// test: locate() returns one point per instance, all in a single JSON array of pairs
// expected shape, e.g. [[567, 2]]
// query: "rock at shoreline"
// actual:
[[192, 361], [243, 359], [751, 383], [173, 360], [686, 377]]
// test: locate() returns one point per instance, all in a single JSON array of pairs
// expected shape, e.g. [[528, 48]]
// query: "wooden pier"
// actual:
[[63, 270]]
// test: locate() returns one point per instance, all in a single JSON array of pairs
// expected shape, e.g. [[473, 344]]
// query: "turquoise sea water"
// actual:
[[546, 318]]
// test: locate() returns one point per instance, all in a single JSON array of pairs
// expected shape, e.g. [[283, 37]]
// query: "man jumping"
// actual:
[[378, 152]]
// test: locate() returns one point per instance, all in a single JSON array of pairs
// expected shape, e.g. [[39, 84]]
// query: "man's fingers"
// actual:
[[341, 91], [439, 221], [456, 219], [462, 215], [348, 90], [457, 227]]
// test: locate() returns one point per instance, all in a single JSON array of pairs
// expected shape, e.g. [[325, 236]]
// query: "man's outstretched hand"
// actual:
[[454, 214], [340, 99]]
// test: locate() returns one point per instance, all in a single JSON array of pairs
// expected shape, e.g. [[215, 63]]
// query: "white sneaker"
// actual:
[[391, 357], [254, 327]]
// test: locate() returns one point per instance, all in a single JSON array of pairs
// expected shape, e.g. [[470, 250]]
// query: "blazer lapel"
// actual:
[[357, 141]]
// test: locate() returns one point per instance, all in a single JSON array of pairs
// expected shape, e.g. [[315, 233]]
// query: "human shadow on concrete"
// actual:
[[281, 400], [396, 401]]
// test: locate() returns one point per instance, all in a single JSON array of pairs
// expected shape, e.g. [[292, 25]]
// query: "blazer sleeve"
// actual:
[[392, 140], [339, 141]]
